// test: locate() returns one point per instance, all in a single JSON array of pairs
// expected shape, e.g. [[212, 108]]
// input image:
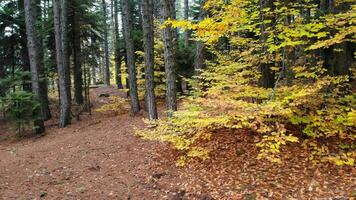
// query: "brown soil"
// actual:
[[100, 158]]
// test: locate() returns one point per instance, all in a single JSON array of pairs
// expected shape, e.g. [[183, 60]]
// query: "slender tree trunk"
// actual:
[[77, 70], [60, 25], [46, 112], [65, 46], [148, 42], [93, 72], [106, 47], [34, 45], [267, 78], [130, 52], [24, 50], [199, 61], [118, 56], [168, 12], [186, 17], [2, 75]]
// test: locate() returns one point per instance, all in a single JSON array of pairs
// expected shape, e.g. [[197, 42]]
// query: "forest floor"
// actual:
[[99, 157]]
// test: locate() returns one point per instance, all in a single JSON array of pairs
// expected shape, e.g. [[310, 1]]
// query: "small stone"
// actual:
[[43, 194]]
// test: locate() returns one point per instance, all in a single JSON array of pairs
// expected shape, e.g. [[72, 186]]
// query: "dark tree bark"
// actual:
[[44, 88], [186, 17], [118, 56], [2, 75], [24, 50], [337, 58], [106, 47], [148, 42], [338, 62], [93, 72], [157, 9], [60, 26], [34, 46], [267, 76], [170, 47], [77, 58], [200, 51], [199, 61], [46, 112], [130, 52]]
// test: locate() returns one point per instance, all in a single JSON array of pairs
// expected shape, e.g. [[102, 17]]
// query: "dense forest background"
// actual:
[[283, 69]]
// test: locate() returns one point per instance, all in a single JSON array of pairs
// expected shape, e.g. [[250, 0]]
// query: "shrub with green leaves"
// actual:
[[19, 106]]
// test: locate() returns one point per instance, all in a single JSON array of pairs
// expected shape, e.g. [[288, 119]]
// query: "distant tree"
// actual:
[[199, 61], [106, 46], [118, 55]]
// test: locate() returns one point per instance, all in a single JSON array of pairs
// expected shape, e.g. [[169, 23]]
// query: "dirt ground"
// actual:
[[98, 157]]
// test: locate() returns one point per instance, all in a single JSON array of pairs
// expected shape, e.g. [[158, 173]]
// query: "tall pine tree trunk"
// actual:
[[34, 45], [2, 75], [60, 26], [24, 49], [93, 71], [130, 52], [46, 113], [148, 42], [106, 47], [118, 56], [77, 70], [169, 39], [186, 17]]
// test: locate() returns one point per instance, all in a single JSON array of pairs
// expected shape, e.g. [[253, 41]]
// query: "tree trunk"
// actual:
[[24, 49], [337, 58], [267, 76], [46, 112], [93, 71], [118, 56], [60, 26], [199, 61], [77, 70], [106, 47], [130, 52], [186, 17], [157, 9], [169, 39], [148, 42], [34, 45], [2, 75]]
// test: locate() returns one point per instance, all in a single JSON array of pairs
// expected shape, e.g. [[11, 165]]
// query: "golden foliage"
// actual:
[[305, 99]]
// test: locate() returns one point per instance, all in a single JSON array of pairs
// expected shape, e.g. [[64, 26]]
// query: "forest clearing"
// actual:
[[178, 99]]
